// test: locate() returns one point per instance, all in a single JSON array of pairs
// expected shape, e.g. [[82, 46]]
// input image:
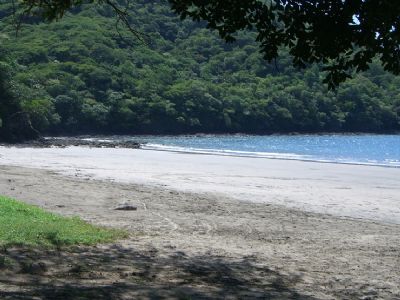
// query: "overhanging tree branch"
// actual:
[[52, 10]]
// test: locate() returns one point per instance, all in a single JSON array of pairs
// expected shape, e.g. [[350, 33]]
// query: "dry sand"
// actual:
[[209, 244]]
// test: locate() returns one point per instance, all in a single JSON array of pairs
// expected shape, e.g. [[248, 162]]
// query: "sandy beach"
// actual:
[[210, 226], [366, 192]]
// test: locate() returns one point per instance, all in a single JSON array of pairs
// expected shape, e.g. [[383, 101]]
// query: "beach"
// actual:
[[210, 226], [343, 190]]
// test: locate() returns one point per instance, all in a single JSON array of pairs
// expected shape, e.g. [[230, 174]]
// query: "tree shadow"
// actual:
[[117, 272]]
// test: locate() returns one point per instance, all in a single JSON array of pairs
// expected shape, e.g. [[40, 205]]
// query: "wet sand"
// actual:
[[211, 243]]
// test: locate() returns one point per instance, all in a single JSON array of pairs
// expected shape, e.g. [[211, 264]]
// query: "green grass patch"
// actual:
[[27, 225]]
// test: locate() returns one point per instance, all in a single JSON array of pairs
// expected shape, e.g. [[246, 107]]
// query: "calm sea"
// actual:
[[359, 149]]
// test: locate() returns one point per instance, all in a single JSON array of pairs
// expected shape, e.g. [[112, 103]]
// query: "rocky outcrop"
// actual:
[[78, 141]]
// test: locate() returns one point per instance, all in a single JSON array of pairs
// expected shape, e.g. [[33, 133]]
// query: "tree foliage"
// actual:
[[343, 35], [79, 76], [15, 123]]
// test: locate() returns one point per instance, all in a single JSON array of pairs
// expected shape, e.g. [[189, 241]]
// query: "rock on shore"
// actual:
[[77, 141]]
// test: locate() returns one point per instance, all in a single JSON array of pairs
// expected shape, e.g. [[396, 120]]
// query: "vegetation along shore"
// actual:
[[79, 76]]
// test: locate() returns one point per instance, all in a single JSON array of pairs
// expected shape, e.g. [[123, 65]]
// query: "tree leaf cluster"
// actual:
[[344, 35]]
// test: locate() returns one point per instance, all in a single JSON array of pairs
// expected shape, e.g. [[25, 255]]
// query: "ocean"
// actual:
[[382, 150]]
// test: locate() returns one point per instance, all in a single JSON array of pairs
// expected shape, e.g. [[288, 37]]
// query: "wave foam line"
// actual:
[[269, 155]]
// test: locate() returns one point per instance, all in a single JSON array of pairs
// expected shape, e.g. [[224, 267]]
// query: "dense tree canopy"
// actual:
[[15, 123], [344, 35], [79, 76]]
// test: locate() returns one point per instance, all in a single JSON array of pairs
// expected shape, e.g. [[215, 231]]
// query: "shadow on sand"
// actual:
[[117, 272]]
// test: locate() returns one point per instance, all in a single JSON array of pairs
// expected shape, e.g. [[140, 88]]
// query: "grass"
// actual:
[[27, 225]]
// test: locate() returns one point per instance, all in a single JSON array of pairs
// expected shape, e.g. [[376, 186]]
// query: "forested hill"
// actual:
[[80, 76]]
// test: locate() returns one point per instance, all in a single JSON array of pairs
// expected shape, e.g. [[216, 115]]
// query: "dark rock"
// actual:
[[126, 207], [78, 141]]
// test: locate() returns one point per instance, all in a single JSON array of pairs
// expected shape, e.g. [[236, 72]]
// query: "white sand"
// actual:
[[353, 191]]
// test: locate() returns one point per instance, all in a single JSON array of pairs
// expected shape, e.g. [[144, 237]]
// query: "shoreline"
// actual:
[[199, 152], [63, 142], [135, 142], [202, 245]]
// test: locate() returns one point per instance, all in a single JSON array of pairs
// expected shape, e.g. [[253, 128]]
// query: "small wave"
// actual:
[[226, 152], [222, 152], [97, 140], [269, 155]]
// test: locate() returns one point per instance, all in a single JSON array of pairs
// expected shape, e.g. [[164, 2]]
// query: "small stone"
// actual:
[[126, 206], [371, 291]]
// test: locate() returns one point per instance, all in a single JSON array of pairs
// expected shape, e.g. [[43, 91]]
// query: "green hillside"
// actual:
[[79, 75]]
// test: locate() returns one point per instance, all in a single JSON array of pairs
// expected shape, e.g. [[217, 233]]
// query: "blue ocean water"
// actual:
[[359, 149]]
